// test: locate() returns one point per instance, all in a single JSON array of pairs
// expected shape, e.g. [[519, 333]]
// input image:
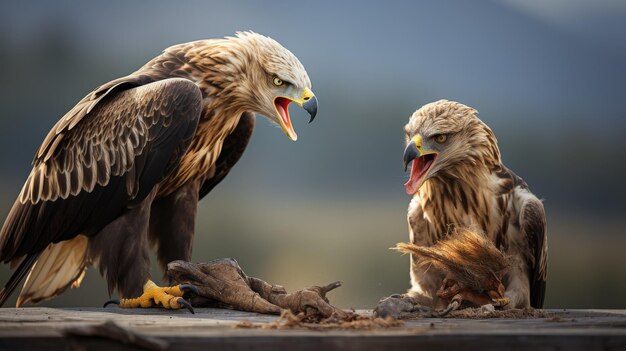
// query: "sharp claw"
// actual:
[[117, 302], [451, 307], [189, 288], [446, 310], [186, 304]]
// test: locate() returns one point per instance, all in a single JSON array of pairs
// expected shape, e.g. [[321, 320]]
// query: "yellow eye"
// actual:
[[441, 138], [278, 82]]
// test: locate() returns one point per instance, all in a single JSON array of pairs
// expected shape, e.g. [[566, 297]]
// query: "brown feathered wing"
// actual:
[[103, 156], [533, 225]]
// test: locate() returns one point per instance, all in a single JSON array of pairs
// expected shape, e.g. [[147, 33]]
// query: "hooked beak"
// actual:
[[310, 106], [422, 163], [410, 153], [308, 101]]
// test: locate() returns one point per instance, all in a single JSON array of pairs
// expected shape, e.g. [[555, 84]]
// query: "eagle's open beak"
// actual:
[[410, 153], [422, 162], [308, 101]]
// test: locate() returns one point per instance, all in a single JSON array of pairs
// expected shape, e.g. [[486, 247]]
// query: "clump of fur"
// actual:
[[466, 256]]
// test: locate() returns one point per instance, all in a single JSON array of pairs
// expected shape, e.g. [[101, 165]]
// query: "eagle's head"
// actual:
[[445, 139], [268, 78]]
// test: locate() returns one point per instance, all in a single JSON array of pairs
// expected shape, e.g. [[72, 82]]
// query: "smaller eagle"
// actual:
[[458, 181]]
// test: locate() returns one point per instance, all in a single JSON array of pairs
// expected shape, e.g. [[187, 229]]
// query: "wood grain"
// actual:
[[43, 328]]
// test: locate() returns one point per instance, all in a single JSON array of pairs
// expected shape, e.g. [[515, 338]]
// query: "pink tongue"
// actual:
[[281, 112], [411, 185]]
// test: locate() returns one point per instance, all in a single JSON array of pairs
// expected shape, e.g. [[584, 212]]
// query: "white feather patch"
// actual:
[[60, 265]]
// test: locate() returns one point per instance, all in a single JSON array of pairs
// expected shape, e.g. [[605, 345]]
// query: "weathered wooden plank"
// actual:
[[42, 328], [335, 342]]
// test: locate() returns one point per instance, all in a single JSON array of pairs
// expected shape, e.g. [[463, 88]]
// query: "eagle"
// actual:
[[124, 169], [458, 182]]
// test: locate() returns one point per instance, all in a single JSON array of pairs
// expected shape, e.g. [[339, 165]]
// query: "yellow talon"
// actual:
[[169, 297], [172, 290]]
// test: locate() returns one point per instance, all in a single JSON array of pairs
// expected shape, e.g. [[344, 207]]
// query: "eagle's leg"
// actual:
[[169, 297], [171, 228], [121, 250], [517, 289], [172, 224]]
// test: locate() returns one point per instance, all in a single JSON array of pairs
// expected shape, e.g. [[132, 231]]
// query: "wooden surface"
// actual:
[[44, 328]]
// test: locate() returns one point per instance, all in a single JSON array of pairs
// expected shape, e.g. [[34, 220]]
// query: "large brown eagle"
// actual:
[[458, 181], [126, 167]]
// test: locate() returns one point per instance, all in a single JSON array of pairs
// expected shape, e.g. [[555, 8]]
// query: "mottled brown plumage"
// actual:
[[127, 165], [459, 181]]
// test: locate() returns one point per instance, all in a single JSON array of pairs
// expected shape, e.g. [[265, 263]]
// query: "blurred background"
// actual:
[[549, 77]]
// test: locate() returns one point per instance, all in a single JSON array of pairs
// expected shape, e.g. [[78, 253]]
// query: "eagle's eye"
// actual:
[[441, 138], [278, 82]]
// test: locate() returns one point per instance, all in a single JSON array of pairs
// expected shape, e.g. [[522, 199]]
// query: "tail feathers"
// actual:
[[17, 276], [60, 266]]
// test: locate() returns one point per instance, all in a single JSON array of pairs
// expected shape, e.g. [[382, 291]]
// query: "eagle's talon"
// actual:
[[187, 305], [169, 297], [452, 306], [117, 302], [189, 288]]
